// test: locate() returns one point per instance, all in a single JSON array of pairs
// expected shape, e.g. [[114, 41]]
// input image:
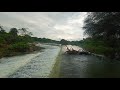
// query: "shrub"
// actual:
[[2, 40], [19, 47]]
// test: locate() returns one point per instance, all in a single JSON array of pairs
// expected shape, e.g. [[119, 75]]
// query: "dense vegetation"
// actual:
[[16, 42], [45, 40], [19, 41], [103, 30]]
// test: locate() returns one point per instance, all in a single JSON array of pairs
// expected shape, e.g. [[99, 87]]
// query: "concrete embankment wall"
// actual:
[[55, 73]]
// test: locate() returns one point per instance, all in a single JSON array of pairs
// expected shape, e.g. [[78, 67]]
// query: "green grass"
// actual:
[[98, 49]]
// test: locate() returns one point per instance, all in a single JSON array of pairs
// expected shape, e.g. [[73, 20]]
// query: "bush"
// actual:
[[2, 40], [1, 54], [19, 47]]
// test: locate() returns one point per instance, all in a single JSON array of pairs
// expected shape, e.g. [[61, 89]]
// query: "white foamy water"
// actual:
[[35, 65], [64, 48]]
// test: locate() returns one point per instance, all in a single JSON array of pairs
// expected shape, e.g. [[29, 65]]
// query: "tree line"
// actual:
[[103, 31], [19, 40], [14, 42]]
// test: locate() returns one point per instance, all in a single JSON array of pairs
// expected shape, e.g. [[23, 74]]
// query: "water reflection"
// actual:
[[103, 69], [87, 66]]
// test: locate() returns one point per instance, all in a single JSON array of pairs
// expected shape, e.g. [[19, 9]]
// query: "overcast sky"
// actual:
[[53, 25]]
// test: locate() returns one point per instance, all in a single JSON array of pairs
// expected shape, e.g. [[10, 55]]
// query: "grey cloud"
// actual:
[[42, 24]]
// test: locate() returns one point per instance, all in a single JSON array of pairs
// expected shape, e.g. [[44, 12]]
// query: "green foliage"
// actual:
[[64, 42], [104, 26], [13, 44], [13, 31], [44, 40], [98, 47], [2, 31], [24, 32], [2, 40], [19, 47]]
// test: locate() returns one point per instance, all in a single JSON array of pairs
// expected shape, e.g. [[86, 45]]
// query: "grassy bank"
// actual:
[[17, 41], [18, 49], [98, 47], [56, 69]]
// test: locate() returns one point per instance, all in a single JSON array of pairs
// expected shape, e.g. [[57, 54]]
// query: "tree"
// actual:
[[24, 32], [2, 31], [104, 26], [13, 31], [64, 42]]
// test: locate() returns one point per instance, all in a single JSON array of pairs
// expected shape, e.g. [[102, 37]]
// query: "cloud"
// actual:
[[53, 25]]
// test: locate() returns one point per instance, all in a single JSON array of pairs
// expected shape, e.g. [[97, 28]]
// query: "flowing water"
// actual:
[[36, 65], [88, 66], [40, 64]]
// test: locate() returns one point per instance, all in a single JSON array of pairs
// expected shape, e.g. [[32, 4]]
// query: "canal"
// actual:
[[88, 66]]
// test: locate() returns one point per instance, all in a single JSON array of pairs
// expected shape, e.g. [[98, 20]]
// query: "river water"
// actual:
[[40, 64], [88, 66], [35, 65]]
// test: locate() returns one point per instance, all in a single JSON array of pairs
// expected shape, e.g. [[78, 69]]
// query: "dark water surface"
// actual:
[[87, 66]]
